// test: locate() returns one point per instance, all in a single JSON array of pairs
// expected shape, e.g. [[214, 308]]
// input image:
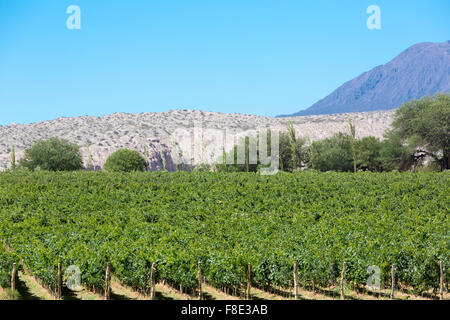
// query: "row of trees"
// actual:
[[60, 155], [420, 131], [420, 135]]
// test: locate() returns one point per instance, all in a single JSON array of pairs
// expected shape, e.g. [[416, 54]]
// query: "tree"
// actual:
[[293, 144], [54, 155], [292, 150], [352, 130], [292, 153], [13, 158], [247, 156], [125, 160], [297, 149], [332, 153], [424, 125], [394, 155], [368, 150], [163, 159], [90, 166]]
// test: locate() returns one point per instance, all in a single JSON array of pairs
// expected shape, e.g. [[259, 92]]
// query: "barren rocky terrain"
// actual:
[[152, 133]]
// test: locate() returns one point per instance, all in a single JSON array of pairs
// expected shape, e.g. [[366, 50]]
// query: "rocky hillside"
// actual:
[[421, 70], [152, 132]]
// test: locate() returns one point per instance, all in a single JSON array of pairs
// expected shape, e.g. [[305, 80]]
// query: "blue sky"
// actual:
[[248, 56]]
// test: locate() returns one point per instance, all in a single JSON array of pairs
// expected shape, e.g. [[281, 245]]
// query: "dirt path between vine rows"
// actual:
[[30, 289], [211, 293], [162, 292]]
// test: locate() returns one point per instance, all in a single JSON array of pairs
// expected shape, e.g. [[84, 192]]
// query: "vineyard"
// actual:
[[226, 221]]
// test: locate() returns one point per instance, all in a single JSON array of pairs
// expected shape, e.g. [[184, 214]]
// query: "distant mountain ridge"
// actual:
[[421, 70]]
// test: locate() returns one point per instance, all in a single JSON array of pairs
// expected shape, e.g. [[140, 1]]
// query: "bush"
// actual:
[[333, 153], [368, 151], [393, 154], [125, 160], [53, 155]]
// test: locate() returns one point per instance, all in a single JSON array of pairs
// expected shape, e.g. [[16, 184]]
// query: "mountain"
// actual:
[[421, 70], [104, 135]]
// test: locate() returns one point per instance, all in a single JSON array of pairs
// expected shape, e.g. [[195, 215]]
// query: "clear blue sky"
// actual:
[[248, 56]]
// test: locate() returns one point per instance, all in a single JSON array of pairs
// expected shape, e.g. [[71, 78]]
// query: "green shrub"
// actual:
[[53, 155], [367, 153], [126, 160], [334, 153]]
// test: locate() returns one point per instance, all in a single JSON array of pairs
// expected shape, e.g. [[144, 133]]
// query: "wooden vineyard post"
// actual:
[[58, 284], [13, 278], [392, 281], [200, 294], [249, 269], [108, 281], [342, 281], [295, 280], [152, 282], [379, 290], [441, 289]]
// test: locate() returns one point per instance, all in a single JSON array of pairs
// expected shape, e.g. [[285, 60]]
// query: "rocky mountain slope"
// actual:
[[421, 70], [153, 132]]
